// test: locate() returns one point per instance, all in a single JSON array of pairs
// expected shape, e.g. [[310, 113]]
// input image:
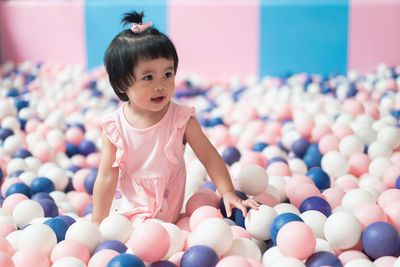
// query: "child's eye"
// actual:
[[168, 75], [148, 78]]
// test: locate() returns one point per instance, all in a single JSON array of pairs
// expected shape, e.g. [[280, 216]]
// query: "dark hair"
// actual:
[[127, 48]]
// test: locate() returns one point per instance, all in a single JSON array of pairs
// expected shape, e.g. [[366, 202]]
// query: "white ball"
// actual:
[[55, 134], [279, 183], [389, 135], [271, 256], [366, 133], [397, 262], [32, 139], [257, 221], [289, 137], [25, 211], [86, 232], [342, 230], [4, 212], [26, 113], [38, 236], [378, 166], [286, 208], [245, 248], [27, 177], [58, 196], [360, 263], [69, 262], [316, 220], [59, 178], [7, 219], [323, 245], [350, 145], [297, 166], [253, 179], [16, 164], [13, 238], [376, 149], [214, 233], [176, 237], [116, 227], [13, 143], [11, 122], [273, 151], [288, 261], [66, 206], [356, 197], [334, 163]]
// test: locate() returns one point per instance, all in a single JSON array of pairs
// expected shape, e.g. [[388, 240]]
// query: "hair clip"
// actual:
[[138, 28]]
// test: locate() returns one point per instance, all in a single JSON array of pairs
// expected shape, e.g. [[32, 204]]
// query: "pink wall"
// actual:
[[43, 31], [216, 37], [374, 34]]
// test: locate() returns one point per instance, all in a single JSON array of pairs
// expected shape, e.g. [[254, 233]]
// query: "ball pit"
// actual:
[[323, 149]]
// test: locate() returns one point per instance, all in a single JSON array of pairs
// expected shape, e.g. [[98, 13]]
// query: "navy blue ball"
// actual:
[[77, 124], [20, 104], [15, 174], [208, 185], [1, 175], [323, 258], [258, 147], [163, 264], [41, 195], [49, 207], [5, 132], [59, 227], [199, 256], [87, 147], [126, 260], [88, 183], [88, 209], [316, 203], [231, 155], [280, 221], [380, 239], [42, 184], [22, 123], [116, 245], [398, 182], [320, 178], [299, 147], [70, 185], [67, 219], [73, 168], [276, 159], [71, 149], [19, 188], [239, 219], [22, 153]]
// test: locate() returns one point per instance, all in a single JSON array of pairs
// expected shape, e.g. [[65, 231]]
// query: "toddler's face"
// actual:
[[154, 84]]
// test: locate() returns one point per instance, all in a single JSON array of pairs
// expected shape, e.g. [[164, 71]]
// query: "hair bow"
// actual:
[[138, 28]]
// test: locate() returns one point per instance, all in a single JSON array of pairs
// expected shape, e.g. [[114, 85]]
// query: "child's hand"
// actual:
[[233, 201]]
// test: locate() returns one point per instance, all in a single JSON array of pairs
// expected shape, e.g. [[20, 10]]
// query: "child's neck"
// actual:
[[142, 119]]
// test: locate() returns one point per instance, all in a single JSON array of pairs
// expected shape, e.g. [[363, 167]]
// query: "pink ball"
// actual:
[[79, 200], [252, 157], [44, 154], [30, 257], [12, 200], [353, 107], [392, 211], [57, 145], [391, 174], [74, 135], [202, 213], [273, 127], [304, 191], [6, 247], [333, 196], [149, 241], [6, 229], [239, 232], [349, 255], [279, 168], [368, 213], [385, 261], [184, 223], [342, 131], [220, 136], [328, 143], [31, 125], [43, 129], [255, 263], [294, 182], [70, 248], [305, 127], [320, 131], [79, 160], [203, 197], [79, 178], [93, 160], [233, 261], [9, 182], [176, 258], [347, 184], [372, 109], [388, 197], [283, 111], [102, 258], [296, 239], [266, 199], [358, 164], [5, 260]]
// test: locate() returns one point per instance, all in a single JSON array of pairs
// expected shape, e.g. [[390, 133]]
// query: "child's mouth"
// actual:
[[157, 99]]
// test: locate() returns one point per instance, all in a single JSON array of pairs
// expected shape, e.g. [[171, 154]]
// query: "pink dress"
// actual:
[[152, 172]]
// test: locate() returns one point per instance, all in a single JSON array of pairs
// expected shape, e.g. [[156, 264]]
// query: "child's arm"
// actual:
[[106, 182], [216, 167]]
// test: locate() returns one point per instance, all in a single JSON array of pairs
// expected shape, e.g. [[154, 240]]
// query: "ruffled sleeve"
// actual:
[[174, 148], [111, 129]]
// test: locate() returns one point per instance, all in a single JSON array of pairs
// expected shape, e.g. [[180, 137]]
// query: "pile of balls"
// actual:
[[320, 154]]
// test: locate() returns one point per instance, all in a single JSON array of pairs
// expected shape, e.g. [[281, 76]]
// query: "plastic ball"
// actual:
[[5, 132], [322, 258], [312, 159], [49, 207], [253, 179], [116, 227], [316, 220], [102, 258], [378, 149], [316, 203], [299, 147], [342, 230], [202, 213], [74, 135], [328, 143], [355, 197], [163, 264], [30, 257], [11, 201], [38, 236], [19, 188], [149, 241], [303, 191], [6, 229], [202, 197], [69, 261], [70, 248], [59, 226], [351, 144], [389, 135], [87, 147], [271, 256], [378, 166], [89, 181], [358, 164], [86, 232], [222, 208], [334, 164], [391, 175], [5, 260], [245, 248], [231, 155], [380, 239], [233, 261], [177, 239], [297, 166], [257, 221], [199, 256], [320, 178], [112, 244], [280, 221], [42, 184], [21, 153], [25, 211]]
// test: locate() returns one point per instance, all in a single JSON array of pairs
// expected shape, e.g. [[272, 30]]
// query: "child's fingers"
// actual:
[[228, 209]]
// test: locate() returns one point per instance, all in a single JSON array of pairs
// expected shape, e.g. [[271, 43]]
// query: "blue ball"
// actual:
[[87, 147], [163, 264], [41, 195], [59, 227], [22, 153], [215, 121], [239, 219], [1, 175], [299, 147], [280, 221], [258, 147], [199, 256], [320, 178], [73, 168], [316, 203], [67, 219], [322, 258], [71, 149], [208, 185], [13, 92], [380, 239], [88, 183], [231, 155], [49, 207], [312, 159], [88, 209], [5, 132], [42, 184], [70, 185], [276, 159], [116, 245], [240, 195], [16, 174], [20, 104], [126, 260], [19, 188], [398, 182]]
